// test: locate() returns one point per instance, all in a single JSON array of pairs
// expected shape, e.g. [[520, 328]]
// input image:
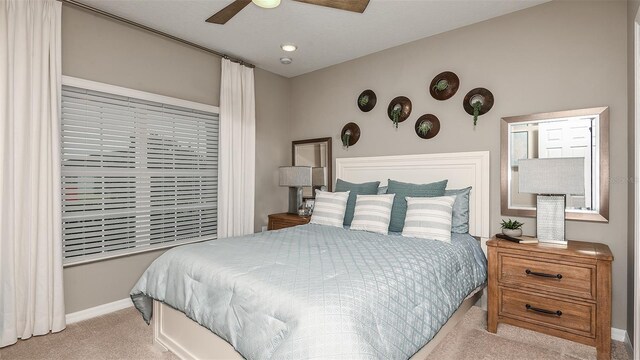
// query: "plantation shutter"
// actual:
[[136, 175]]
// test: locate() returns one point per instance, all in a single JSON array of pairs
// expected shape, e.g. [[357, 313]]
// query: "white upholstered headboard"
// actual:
[[462, 169]]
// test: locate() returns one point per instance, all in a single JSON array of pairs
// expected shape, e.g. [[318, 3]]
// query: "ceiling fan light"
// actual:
[[267, 4]]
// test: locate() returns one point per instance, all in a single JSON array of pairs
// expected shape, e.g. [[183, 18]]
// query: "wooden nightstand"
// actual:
[[285, 220], [560, 291]]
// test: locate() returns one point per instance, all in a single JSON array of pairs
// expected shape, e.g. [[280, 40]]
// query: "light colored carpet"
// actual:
[[470, 340], [123, 335], [119, 335]]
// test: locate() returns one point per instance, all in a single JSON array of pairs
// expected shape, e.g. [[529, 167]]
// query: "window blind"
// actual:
[[136, 174]]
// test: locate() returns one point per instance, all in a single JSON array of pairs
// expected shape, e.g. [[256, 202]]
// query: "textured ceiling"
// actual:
[[324, 36]]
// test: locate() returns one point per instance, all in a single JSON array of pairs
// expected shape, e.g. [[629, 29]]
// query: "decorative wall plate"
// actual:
[[478, 94], [444, 85], [350, 134], [401, 104], [431, 122], [367, 100]]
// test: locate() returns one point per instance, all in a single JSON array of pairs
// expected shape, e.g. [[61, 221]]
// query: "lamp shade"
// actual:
[[552, 176], [319, 177], [295, 176]]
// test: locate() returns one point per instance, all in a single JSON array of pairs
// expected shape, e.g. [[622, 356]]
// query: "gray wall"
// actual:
[[555, 56], [632, 10], [273, 144], [99, 49]]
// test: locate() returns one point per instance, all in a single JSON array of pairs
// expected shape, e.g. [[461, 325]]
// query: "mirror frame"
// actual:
[[603, 113], [329, 156]]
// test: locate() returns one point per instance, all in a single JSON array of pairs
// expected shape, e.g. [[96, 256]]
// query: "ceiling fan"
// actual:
[[224, 15]]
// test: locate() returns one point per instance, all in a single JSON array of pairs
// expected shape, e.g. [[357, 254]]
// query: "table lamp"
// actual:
[[551, 180], [295, 177]]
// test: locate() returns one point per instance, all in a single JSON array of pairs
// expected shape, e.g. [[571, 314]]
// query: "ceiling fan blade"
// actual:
[[349, 5], [224, 15]]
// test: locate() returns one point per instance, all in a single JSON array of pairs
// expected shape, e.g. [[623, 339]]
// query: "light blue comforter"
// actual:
[[316, 291]]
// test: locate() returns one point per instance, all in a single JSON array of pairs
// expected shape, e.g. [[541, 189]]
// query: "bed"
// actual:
[[316, 291]]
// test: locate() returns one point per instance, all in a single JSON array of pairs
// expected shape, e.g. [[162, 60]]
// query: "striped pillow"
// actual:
[[373, 213], [429, 217], [329, 208]]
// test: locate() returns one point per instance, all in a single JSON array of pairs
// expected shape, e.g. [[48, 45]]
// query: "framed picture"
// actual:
[[307, 206], [519, 147]]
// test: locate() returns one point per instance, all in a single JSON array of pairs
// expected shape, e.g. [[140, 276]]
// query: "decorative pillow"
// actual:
[[373, 213], [382, 190], [429, 218], [403, 190], [460, 216], [329, 208], [368, 188]]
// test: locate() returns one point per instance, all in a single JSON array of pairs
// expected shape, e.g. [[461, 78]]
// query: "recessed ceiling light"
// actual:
[[286, 60], [267, 4], [288, 47]]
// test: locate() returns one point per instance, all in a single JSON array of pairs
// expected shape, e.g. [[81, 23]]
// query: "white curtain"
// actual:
[[31, 292], [237, 148]]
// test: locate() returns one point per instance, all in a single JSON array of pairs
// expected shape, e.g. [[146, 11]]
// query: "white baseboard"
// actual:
[[98, 310], [627, 342], [620, 335]]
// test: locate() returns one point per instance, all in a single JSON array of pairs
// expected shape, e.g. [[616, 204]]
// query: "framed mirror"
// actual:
[[580, 133], [317, 154]]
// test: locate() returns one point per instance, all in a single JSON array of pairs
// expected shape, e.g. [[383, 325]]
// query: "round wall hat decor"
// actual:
[[399, 109], [367, 100], [427, 126], [478, 102], [350, 134], [444, 85]]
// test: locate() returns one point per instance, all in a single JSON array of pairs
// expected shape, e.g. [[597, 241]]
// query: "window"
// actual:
[[137, 174]]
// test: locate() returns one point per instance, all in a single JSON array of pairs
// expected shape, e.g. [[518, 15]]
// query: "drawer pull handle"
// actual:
[[544, 311], [555, 276]]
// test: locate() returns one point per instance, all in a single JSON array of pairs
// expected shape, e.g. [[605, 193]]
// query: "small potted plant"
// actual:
[[346, 137], [441, 85], [511, 227], [424, 127], [364, 100], [395, 114], [477, 106]]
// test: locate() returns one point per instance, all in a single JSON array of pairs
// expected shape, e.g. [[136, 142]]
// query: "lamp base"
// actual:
[[550, 223], [295, 199]]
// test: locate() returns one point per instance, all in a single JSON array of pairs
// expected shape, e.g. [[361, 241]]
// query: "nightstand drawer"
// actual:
[[285, 220], [573, 317], [281, 224], [560, 278]]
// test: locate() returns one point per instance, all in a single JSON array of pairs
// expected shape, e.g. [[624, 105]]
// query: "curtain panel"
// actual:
[[236, 171], [31, 291]]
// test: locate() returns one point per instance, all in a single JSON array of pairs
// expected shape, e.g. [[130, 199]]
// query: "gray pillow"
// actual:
[[460, 216], [402, 190], [369, 188]]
